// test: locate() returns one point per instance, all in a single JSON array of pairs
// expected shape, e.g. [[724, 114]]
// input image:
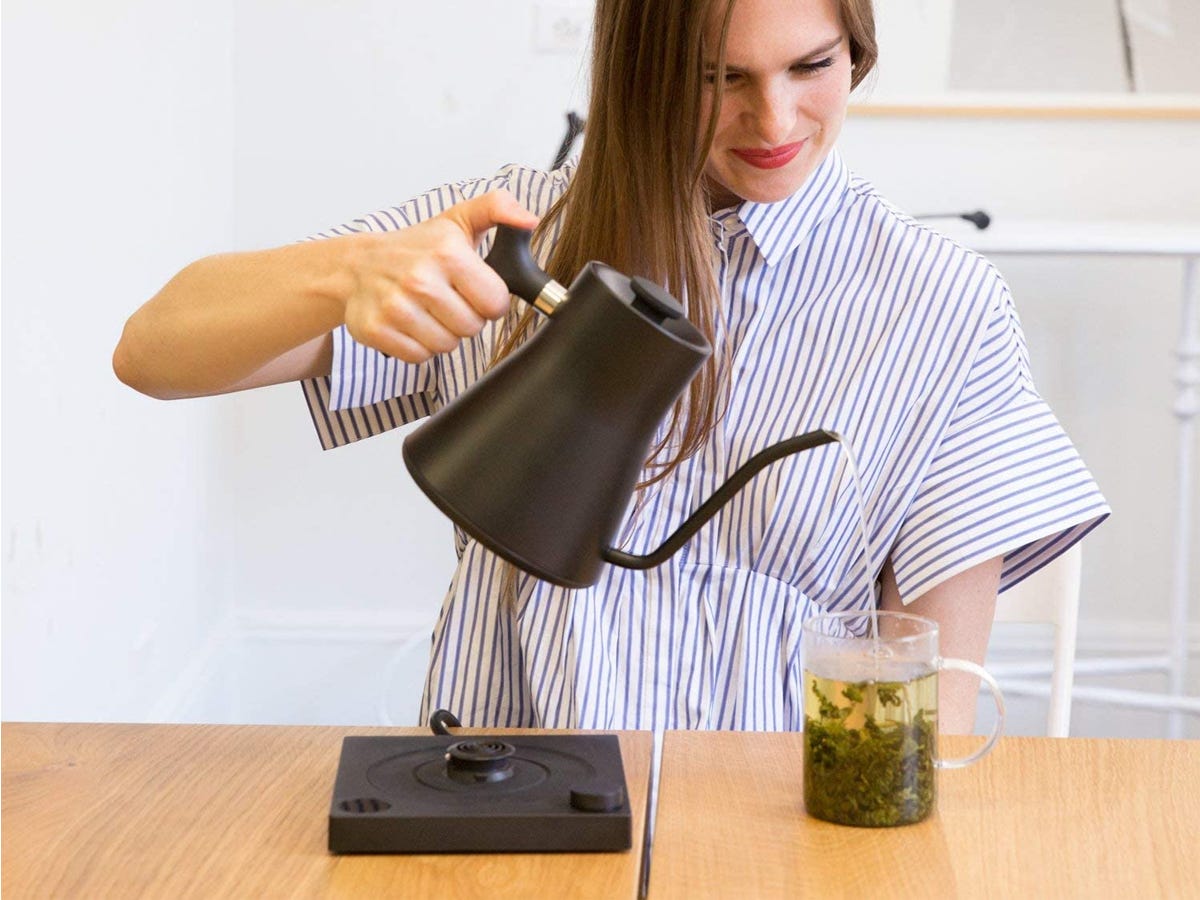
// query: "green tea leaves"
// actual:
[[870, 761]]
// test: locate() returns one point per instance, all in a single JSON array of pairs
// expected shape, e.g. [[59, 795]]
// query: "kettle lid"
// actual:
[[653, 301]]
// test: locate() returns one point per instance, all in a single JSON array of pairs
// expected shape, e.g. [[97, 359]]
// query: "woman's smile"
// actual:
[[770, 158]]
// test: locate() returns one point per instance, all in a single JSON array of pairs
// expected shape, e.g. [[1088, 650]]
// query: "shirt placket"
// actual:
[[705, 470], [715, 452]]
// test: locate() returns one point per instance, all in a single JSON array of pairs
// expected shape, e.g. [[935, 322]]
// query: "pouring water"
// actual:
[[851, 462]]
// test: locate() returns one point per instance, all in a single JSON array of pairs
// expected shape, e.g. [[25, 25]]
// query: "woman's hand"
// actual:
[[419, 291]]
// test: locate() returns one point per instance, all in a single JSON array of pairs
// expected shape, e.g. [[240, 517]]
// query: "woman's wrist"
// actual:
[[326, 275]]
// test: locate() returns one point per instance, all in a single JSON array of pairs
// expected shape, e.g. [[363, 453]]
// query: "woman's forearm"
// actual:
[[225, 318]]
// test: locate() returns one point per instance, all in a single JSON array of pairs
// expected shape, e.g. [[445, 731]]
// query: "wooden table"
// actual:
[[1039, 817], [230, 811], [240, 811]]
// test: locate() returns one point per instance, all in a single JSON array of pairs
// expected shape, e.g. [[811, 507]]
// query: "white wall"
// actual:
[[346, 107], [118, 169], [153, 135], [204, 559]]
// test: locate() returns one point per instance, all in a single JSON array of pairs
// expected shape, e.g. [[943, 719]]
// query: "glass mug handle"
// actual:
[[963, 665]]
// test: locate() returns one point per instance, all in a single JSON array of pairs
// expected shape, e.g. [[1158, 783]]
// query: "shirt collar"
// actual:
[[778, 228]]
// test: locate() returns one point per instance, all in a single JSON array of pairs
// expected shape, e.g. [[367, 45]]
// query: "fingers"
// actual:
[[476, 281], [460, 309], [480, 293], [403, 328], [423, 313], [423, 289], [483, 290], [477, 215], [458, 288]]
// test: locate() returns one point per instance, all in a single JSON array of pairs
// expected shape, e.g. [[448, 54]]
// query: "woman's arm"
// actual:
[[964, 607], [226, 319], [241, 320]]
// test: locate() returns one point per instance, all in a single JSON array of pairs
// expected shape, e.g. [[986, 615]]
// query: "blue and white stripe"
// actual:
[[840, 313]]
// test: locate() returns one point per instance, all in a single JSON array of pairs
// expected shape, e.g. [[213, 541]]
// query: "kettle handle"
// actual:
[[720, 497], [513, 261]]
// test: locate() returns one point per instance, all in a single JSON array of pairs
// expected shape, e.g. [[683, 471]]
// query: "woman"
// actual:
[[709, 167]]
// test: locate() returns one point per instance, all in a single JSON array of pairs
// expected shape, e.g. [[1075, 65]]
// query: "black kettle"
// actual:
[[539, 459]]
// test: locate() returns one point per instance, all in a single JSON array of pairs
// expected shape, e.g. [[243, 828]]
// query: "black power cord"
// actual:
[[978, 218], [574, 129], [442, 720]]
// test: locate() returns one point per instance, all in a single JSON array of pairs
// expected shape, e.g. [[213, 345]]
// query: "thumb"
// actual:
[[499, 207]]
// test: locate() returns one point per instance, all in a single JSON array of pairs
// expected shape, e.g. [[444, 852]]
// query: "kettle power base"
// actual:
[[456, 794]]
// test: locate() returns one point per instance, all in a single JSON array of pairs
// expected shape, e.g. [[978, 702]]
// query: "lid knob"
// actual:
[[654, 302]]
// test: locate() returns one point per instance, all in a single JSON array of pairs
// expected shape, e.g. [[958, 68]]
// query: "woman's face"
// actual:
[[787, 83]]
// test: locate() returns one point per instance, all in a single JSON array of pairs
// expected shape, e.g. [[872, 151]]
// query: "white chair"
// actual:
[[1048, 596]]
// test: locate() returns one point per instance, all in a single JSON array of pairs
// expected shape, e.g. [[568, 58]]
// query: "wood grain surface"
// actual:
[[1038, 817], [241, 811]]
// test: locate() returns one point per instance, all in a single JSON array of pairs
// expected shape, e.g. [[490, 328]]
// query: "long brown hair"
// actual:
[[638, 199]]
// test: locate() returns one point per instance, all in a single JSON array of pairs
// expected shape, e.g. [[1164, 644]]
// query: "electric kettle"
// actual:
[[539, 459]]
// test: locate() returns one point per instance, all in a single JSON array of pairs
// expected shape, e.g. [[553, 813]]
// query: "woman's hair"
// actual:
[[637, 199]]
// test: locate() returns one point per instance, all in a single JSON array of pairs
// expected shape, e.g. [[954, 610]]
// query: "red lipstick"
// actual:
[[773, 158]]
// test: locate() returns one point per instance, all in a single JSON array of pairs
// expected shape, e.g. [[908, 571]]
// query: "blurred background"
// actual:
[[205, 561]]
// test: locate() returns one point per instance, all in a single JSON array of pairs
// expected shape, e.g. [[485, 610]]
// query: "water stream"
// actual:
[[865, 540]]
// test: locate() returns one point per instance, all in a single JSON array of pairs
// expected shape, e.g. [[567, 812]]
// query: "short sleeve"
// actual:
[[1005, 478], [338, 427], [368, 393]]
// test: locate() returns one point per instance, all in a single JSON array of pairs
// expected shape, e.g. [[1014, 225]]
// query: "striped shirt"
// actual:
[[838, 312]]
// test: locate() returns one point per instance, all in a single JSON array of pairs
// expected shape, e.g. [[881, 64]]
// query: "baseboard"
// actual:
[[201, 671]]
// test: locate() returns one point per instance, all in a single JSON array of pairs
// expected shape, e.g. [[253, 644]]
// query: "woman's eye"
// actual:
[[730, 78], [806, 68]]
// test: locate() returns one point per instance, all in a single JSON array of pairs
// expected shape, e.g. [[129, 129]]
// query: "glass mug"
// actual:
[[870, 717]]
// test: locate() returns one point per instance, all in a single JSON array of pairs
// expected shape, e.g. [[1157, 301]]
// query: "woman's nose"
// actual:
[[774, 117], [774, 114]]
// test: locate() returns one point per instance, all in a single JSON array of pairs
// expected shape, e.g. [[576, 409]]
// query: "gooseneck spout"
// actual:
[[720, 497]]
